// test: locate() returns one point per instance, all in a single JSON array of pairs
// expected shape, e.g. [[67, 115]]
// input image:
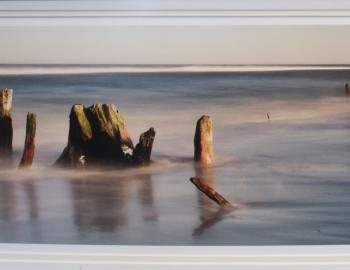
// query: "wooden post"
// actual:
[[143, 150], [347, 88], [6, 129], [211, 193], [29, 144], [203, 141]]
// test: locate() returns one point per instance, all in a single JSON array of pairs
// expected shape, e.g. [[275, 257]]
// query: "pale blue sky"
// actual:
[[176, 45]]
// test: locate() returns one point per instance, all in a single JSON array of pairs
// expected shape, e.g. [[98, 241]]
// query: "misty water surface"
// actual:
[[291, 175]]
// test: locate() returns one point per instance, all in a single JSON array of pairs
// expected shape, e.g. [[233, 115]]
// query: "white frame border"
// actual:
[[170, 12], [17, 256], [173, 12]]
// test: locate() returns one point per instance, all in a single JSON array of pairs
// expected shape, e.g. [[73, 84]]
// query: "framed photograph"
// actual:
[[152, 134]]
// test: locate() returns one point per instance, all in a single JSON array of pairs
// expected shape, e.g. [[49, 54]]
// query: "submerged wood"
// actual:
[[203, 141], [211, 193], [29, 144], [98, 136], [143, 150], [347, 88], [6, 129]]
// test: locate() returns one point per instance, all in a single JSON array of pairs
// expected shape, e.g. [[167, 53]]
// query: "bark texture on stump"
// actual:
[[29, 144], [203, 141], [347, 88], [6, 129], [211, 193], [97, 136], [143, 150]]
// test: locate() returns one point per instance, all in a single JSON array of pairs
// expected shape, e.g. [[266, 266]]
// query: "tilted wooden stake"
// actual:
[[211, 193], [203, 141], [6, 129], [143, 150], [29, 144]]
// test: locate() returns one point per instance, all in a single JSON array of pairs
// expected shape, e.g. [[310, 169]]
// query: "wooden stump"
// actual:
[[29, 144], [98, 136], [203, 141], [143, 150], [211, 193], [6, 129], [347, 88]]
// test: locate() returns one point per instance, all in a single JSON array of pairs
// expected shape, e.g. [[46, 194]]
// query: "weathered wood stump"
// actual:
[[98, 136], [143, 150], [211, 193], [29, 144], [347, 88], [6, 129], [203, 141]]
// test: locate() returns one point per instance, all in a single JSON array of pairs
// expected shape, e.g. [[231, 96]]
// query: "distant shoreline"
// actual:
[[96, 69]]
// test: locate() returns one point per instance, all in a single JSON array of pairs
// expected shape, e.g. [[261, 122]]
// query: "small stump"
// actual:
[[203, 141], [6, 129], [29, 144], [143, 150], [347, 89]]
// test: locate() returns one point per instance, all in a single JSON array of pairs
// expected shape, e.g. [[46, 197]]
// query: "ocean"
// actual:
[[290, 174]]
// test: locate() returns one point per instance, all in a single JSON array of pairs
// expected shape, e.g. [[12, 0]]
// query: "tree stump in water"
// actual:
[[29, 144], [143, 150], [6, 129], [97, 136], [203, 141], [347, 88]]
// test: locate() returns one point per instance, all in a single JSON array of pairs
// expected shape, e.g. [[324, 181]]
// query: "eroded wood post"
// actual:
[[143, 150], [6, 129], [29, 143], [203, 141], [347, 89]]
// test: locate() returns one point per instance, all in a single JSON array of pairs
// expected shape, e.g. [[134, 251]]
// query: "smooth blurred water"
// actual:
[[291, 175]]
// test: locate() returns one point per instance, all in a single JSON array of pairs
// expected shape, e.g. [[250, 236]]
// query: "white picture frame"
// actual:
[[38, 14]]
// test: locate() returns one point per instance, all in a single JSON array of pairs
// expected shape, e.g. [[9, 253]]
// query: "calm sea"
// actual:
[[290, 174]]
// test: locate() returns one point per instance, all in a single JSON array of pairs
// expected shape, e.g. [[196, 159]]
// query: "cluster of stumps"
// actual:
[[98, 136]]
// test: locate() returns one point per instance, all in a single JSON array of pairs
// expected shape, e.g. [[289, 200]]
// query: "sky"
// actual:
[[200, 45]]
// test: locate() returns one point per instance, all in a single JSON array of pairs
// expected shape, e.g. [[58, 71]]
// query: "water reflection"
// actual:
[[8, 201], [14, 195], [145, 195], [209, 213], [101, 203], [30, 191]]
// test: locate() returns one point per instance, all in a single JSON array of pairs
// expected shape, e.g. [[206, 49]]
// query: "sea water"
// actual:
[[290, 174]]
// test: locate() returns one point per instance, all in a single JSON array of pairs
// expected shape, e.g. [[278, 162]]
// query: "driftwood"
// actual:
[[211, 193], [347, 88], [98, 135], [29, 144], [143, 150], [6, 129], [203, 141]]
